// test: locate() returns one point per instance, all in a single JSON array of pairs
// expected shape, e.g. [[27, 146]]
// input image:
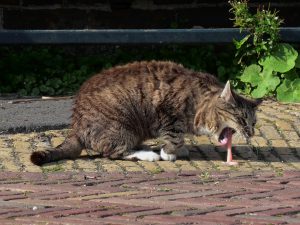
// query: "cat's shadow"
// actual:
[[243, 152], [207, 152]]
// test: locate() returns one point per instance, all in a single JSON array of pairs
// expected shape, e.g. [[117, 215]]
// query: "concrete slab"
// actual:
[[34, 115]]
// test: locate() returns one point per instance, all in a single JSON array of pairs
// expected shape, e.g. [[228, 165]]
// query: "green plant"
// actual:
[[60, 70], [41, 71], [269, 67], [263, 29]]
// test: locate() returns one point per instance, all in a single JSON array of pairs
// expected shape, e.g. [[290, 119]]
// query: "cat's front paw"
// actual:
[[144, 156], [167, 157]]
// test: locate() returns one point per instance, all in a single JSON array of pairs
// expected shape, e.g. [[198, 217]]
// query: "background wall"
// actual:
[[89, 14]]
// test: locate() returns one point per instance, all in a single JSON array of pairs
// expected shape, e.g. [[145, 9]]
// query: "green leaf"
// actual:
[[267, 85], [265, 81], [239, 44], [281, 59], [251, 75], [289, 90]]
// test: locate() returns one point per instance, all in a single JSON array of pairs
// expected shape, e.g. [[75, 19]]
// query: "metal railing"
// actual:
[[134, 36]]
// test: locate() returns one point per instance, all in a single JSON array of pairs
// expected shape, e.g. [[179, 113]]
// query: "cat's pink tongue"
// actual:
[[227, 141], [224, 141]]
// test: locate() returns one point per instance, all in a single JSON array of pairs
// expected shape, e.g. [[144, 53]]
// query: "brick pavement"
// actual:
[[140, 198], [263, 189]]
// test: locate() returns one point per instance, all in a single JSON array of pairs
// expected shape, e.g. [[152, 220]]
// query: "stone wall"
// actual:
[[97, 14]]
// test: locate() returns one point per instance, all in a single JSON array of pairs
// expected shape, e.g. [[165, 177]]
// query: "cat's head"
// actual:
[[229, 113]]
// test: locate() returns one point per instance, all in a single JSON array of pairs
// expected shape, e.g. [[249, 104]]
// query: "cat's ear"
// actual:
[[257, 102], [227, 93]]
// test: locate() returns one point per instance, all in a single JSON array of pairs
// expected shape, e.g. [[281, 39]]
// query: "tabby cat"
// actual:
[[119, 108]]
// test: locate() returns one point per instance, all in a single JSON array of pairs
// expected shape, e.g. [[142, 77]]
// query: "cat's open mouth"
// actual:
[[226, 135]]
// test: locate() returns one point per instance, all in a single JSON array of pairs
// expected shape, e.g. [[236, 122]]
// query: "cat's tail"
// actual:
[[69, 149]]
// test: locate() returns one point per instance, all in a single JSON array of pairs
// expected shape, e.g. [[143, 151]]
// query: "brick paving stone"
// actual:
[[129, 166], [86, 165], [167, 166], [294, 143], [9, 163], [111, 168], [185, 165], [286, 116], [22, 137], [57, 141], [2, 143], [260, 165], [243, 166], [22, 147], [283, 125], [255, 219], [204, 165], [297, 126], [297, 151], [270, 132], [269, 110], [258, 141], [221, 166], [67, 165], [292, 160], [211, 153], [27, 165], [202, 140], [290, 135], [262, 121], [245, 152], [265, 120], [10, 166], [284, 151], [279, 143], [280, 166], [269, 156], [149, 166]]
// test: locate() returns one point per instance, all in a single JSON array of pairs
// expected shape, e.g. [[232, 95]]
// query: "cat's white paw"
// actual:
[[182, 152], [167, 157], [144, 156]]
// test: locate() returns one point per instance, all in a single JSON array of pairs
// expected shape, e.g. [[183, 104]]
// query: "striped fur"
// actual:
[[119, 108]]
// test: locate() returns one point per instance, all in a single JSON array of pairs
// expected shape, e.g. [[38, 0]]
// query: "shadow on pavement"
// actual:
[[207, 152]]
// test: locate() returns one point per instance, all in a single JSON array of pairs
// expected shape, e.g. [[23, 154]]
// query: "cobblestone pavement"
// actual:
[[262, 189]]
